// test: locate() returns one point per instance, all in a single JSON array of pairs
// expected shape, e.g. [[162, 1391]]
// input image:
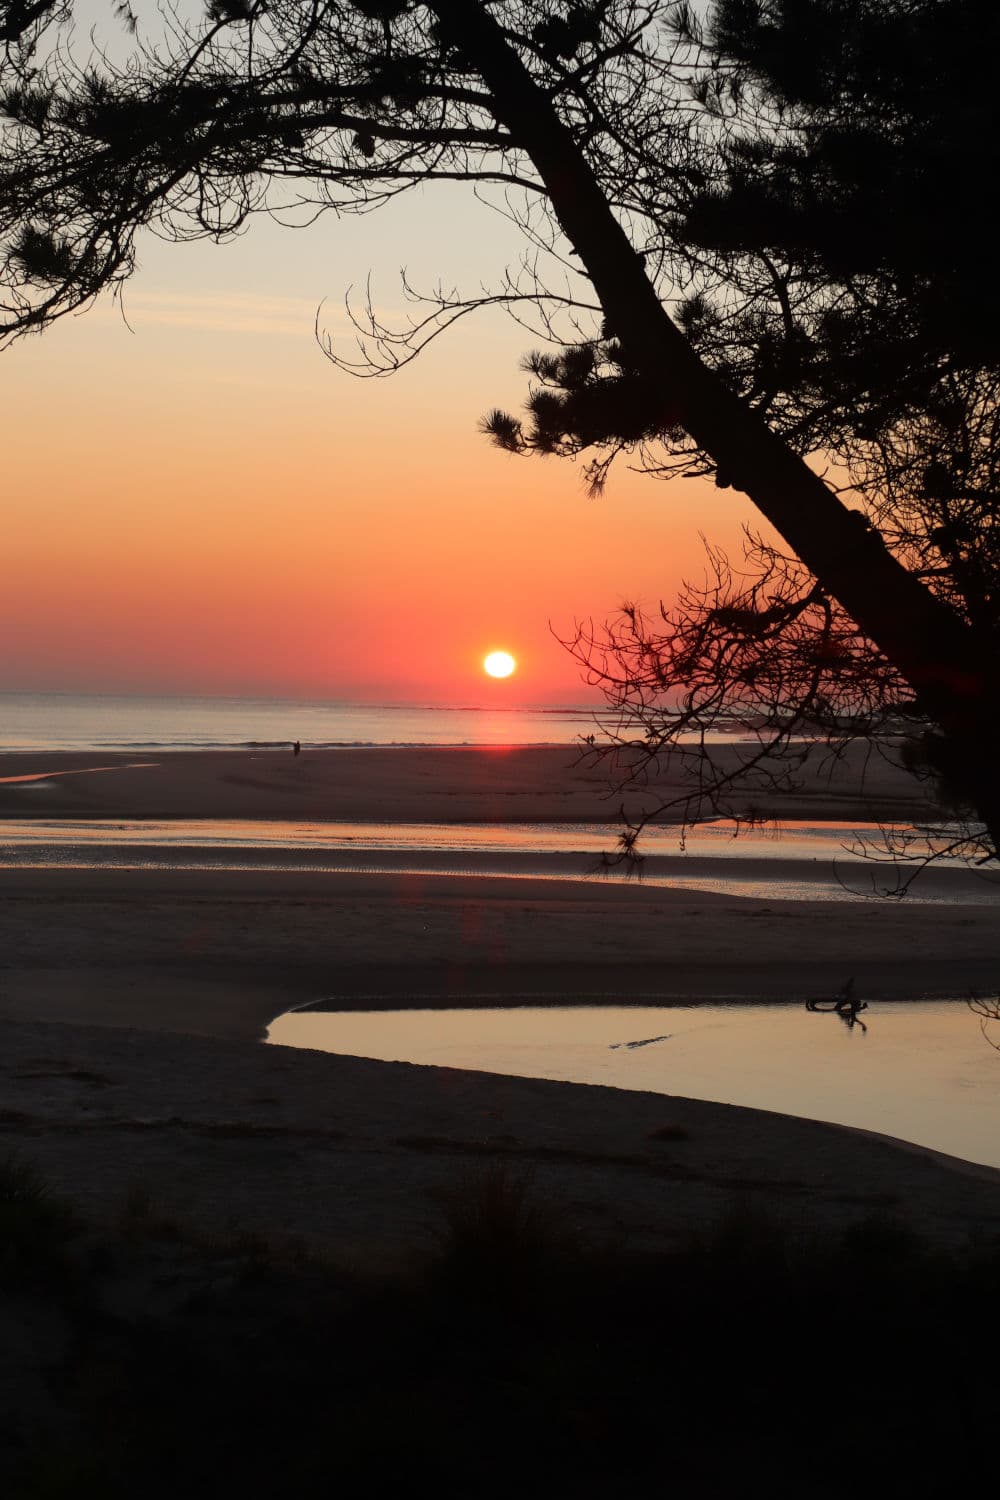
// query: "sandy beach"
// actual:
[[115, 960], [548, 784], [221, 952]]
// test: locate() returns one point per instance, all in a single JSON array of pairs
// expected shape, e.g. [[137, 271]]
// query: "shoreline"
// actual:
[[353, 1155]]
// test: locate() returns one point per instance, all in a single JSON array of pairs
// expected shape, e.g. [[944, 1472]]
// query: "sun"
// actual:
[[499, 664]]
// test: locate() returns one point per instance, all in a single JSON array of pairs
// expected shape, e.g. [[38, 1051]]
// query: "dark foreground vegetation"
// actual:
[[139, 1360]]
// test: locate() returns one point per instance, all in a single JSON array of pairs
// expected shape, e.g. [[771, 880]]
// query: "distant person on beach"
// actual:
[[296, 748]]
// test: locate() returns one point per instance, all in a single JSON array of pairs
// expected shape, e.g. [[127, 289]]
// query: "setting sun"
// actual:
[[499, 664]]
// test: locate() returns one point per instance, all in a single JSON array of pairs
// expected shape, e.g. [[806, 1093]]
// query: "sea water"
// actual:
[[66, 721], [74, 721]]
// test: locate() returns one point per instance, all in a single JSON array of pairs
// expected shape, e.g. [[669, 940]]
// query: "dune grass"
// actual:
[[36, 1226], [517, 1360]]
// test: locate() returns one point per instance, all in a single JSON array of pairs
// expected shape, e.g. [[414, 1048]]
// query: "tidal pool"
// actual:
[[923, 1071]]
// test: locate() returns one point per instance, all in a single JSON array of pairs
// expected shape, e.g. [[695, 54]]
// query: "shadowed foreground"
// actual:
[[514, 1359], [283, 1272]]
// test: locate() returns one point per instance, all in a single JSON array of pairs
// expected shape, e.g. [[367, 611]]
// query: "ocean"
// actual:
[[68, 721]]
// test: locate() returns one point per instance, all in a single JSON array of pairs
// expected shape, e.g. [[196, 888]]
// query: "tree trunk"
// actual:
[[950, 670]]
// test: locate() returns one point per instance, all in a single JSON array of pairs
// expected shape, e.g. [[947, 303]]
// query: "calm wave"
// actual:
[[58, 721]]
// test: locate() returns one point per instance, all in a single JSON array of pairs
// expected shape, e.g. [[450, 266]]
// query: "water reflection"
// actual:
[[844, 1006], [721, 839], [922, 1072], [796, 861]]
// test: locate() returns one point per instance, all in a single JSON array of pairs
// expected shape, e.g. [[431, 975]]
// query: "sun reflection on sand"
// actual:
[[130, 765]]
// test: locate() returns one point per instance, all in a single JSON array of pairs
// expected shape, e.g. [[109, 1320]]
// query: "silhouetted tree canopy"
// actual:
[[828, 227], [834, 246], [732, 233], [857, 144]]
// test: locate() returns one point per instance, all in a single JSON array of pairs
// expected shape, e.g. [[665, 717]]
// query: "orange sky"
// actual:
[[206, 505]]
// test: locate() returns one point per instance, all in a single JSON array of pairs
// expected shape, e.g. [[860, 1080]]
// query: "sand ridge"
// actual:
[[222, 953]]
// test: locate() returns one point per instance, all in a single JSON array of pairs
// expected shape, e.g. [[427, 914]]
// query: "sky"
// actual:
[[197, 501]]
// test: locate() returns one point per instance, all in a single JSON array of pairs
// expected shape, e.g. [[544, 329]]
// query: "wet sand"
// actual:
[[440, 785]]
